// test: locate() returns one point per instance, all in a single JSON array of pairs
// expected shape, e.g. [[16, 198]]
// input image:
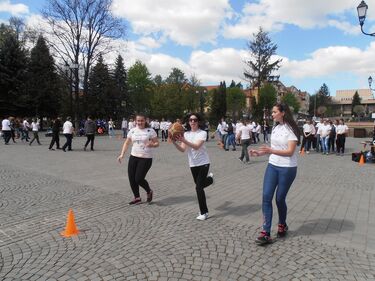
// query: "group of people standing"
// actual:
[[327, 137], [279, 176]]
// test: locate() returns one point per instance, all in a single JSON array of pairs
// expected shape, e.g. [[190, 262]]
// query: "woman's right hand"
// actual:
[[120, 158], [256, 153]]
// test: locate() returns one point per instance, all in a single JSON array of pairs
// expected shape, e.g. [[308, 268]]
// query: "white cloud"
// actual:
[[185, 22], [13, 9], [330, 61], [149, 42], [274, 14]]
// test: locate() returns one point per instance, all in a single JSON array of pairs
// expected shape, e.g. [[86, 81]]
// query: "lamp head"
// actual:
[[362, 10]]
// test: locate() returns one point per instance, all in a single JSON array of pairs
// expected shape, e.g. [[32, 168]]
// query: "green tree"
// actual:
[[292, 101], [42, 82], [218, 103], [261, 65], [176, 87], [139, 87], [13, 72], [123, 106], [355, 101], [267, 99], [359, 111], [100, 98], [236, 101], [320, 98]]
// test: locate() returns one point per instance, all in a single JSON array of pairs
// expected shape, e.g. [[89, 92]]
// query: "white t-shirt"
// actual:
[[140, 137], [124, 124], [68, 127], [197, 157], [341, 129], [308, 129], [5, 125], [35, 126], [111, 125], [244, 131], [281, 134], [26, 125], [131, 125], [324, 130]]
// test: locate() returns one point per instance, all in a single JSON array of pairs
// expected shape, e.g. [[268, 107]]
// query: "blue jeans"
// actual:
[[325, 141], [280, 178]]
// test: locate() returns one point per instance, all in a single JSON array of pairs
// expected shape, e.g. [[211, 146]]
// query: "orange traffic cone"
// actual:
[[361, 160], [71, 228]]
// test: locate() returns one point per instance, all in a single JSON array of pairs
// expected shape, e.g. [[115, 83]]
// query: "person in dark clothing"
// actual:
[[56, 125], [90, 129]]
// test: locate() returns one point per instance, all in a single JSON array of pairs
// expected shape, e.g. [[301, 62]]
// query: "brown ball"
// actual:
[[176, 130]]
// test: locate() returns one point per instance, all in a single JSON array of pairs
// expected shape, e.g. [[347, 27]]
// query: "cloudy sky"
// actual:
[[319, 41]]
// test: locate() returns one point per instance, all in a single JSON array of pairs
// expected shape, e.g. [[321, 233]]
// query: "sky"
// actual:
[[318, 41]]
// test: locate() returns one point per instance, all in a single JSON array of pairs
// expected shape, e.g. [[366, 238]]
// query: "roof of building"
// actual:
[[346, 95]]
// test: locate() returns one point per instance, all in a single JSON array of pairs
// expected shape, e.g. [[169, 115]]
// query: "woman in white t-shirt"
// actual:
[[281, 170], [341, 132], [143, 139], [193, 141], [35, 129]]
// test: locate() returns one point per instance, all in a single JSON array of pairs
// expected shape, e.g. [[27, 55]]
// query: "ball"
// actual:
[[176, 130]]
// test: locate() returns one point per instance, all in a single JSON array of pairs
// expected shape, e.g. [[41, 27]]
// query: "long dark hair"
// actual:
[[200, 121], [289, 120]]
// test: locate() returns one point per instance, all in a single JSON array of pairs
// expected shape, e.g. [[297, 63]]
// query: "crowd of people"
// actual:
[[326, 137], [143, 134]]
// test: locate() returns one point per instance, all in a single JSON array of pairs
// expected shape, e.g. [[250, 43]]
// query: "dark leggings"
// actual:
[[90, 139], [201, 181], [341, 143], [137, 171]]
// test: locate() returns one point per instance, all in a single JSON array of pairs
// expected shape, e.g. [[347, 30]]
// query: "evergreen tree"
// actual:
[[123, 106], [42, 82], [355, 101], [259, 65], [13, 71], [100, 100]]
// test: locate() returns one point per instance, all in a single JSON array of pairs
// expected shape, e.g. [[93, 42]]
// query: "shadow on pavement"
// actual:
[[174, 200], [323, 226], [228, 209]]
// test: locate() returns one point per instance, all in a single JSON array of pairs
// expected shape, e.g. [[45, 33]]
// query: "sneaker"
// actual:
[[240, 160], [202, 217], [136, 201], [282, 230], [52, 149], [211, 175], [307, 152], [149, 196], [264, 238]]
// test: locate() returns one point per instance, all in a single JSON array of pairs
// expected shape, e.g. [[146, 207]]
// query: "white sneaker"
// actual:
[[202, 217], [213, 179]]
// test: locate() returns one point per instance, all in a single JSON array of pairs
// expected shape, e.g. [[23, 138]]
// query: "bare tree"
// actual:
[[79, 32]]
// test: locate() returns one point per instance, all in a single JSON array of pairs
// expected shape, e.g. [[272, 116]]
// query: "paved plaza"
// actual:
[[331, 217]]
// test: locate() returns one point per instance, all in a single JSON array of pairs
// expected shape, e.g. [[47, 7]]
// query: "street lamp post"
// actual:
[[362, 11]]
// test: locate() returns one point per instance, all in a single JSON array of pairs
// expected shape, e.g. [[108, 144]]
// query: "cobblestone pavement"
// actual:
[[331, 218]]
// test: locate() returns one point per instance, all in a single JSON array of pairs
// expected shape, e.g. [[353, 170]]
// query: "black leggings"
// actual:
[[137, 171], [201, 181]]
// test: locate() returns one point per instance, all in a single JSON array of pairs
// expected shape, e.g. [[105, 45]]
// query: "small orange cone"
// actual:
[[361, 160], [71, 228]]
